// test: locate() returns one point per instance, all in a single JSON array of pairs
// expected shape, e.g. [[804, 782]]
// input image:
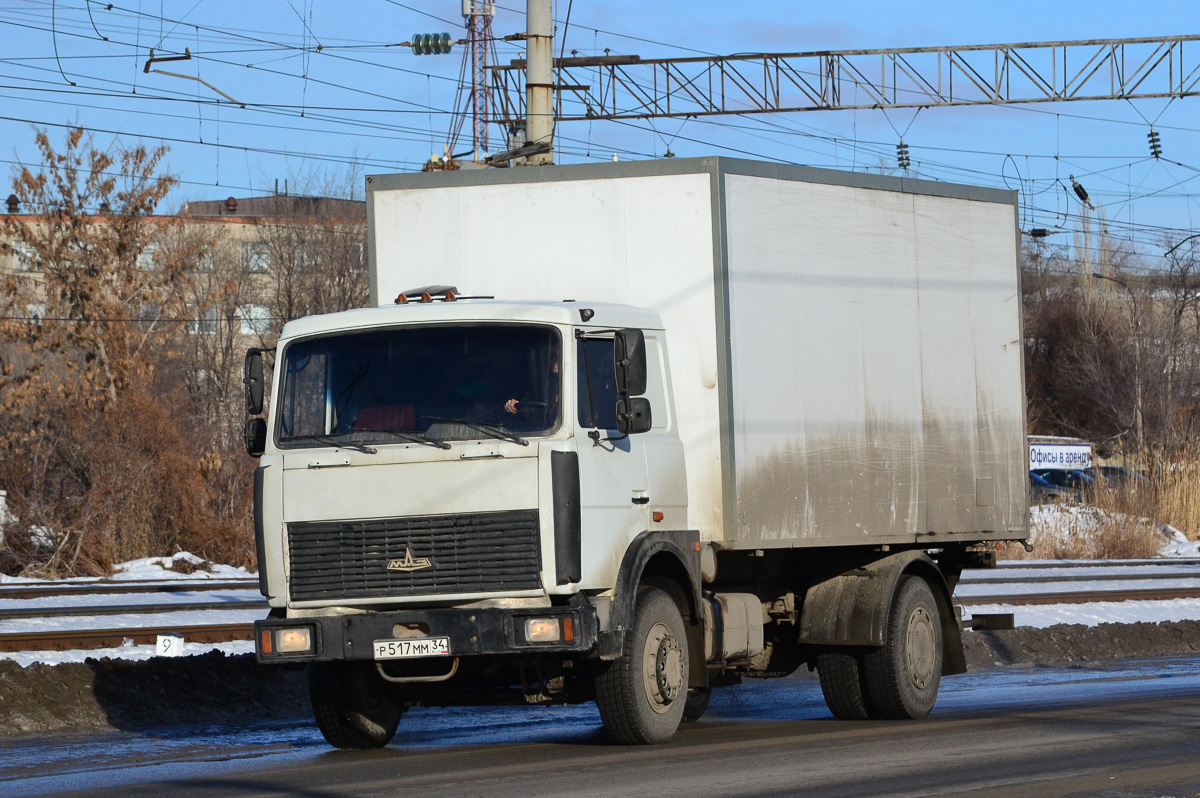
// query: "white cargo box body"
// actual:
[[845, 349]]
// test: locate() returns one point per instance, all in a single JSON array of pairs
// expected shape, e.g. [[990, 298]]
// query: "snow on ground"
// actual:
[[131, 621], [1095, 612], [1180, 546], [86, 599], [130, 651], [968, 589], [1058, 522], [153, 569]]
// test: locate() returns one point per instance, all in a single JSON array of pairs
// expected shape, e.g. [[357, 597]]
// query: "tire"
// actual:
[[696, 704], [353, 706], [844, 684], [641, 695], [902, 676]]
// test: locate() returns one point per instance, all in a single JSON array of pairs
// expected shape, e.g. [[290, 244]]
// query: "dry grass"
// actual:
[[1089, 533], [1127, 524]]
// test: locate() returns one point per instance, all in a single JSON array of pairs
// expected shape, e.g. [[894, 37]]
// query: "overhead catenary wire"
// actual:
[[937, 168]]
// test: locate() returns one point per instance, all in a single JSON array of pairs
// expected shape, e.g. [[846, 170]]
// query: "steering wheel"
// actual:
[[525, 404]]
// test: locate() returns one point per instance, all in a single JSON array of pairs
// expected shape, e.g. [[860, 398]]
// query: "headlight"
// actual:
[[293, 641], [542, 630]]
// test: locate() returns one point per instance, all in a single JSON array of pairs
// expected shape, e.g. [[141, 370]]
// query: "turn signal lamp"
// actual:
[[542, 630]]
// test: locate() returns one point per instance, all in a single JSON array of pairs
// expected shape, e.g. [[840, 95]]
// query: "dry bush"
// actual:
[[1086, 532], [115, 484]]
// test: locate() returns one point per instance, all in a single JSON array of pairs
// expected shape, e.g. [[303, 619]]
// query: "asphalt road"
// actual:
[[1117, 729]]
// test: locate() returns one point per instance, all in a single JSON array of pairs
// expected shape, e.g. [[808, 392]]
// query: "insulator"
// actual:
[[431, 43], [902, 156], [1155, 143]]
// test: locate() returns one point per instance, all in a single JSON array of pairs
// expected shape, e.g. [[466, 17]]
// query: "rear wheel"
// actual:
[[353, 706], [843, 683], [902, 676], [696, 704], [641, 695]]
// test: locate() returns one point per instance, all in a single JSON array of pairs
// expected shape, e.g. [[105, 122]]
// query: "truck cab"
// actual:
[[456, 481]]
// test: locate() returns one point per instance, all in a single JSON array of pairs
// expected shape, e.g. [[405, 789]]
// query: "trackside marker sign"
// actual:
[[1060, 456]]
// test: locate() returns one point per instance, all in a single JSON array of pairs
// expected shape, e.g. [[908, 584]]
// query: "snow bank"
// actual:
[[156, 569], [1059, 523]]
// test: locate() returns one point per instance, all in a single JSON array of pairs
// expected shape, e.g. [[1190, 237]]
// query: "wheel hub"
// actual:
[[668, 669], [920, 648], [662, 668]]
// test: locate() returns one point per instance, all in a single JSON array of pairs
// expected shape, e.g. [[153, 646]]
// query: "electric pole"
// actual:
[[539, 81]]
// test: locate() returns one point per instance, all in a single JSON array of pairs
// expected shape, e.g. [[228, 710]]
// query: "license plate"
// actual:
[[411, 648]]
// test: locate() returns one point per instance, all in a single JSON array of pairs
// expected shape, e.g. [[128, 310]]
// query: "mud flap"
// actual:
[[853, 608], [675, 557]]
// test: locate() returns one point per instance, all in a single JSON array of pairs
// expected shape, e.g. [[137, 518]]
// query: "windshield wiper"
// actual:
[[494, 430], [413, 437], [332, 440]]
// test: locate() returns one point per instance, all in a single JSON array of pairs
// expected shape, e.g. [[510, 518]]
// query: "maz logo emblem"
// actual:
[[409, 563]]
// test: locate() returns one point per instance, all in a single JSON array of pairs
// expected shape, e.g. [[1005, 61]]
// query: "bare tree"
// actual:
[[99, 460], [317, 257]]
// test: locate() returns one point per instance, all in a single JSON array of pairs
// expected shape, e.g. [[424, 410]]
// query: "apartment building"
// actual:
[[259, 261]]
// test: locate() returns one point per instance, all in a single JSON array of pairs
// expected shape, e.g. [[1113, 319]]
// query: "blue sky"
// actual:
[[322, 119]]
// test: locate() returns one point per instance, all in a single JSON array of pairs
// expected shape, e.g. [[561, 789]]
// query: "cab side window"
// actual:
[[597, 388]]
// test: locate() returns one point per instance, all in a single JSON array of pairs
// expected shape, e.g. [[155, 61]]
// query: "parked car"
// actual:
[[1118, 477], [1057, 485]]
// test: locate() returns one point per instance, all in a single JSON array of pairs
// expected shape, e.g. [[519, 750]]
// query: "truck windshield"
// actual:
[[421, 384]]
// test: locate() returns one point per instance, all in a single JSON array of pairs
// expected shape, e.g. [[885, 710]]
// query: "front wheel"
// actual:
[[641, 695], [902, 676], [353, 706]]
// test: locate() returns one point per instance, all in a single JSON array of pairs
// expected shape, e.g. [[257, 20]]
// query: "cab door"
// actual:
[[614, 488]]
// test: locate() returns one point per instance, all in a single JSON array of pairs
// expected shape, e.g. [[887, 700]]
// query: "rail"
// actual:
[[24, 590]]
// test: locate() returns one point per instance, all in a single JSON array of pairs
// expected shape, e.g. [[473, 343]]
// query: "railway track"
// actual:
[[1152, 573], [28, 590], [1079, 597], [83, 639]]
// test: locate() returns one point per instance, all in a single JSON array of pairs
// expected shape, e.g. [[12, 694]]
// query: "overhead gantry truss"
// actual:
[[629, 87]]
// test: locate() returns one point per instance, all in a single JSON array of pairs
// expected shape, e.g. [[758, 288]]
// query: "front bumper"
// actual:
[[472, 632]]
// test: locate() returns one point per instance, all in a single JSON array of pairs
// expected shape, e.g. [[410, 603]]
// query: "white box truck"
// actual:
[[643, 430]]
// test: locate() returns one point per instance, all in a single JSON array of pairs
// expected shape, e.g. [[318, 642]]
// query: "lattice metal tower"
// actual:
[[478, 15]]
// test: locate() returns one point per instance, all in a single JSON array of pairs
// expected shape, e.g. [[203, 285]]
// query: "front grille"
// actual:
[[478, 553]]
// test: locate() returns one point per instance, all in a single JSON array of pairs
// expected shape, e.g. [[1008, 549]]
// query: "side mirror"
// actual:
[[252, 380], [629, 362], [633, 415], [255, 436]]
